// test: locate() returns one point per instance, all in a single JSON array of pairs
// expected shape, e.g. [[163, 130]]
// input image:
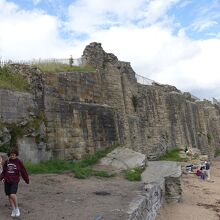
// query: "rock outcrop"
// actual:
[[124, 158], [162, 183]]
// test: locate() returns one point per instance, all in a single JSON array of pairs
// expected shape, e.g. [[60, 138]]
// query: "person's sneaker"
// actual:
[[17, 212], [13, 213]]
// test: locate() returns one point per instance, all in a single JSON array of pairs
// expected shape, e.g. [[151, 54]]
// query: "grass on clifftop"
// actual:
[[81, 169], [59, 67], [172, 155], [12, 81]]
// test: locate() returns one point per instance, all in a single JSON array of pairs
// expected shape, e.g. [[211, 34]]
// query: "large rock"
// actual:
[[124, 158], [168, 173]]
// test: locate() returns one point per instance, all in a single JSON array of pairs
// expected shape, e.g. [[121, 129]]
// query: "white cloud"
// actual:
[[157, 9], [202, 25], [137, 31], [28, 34], [88, 16]]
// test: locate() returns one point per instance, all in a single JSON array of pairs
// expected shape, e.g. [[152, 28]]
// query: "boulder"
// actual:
[[124, 158]]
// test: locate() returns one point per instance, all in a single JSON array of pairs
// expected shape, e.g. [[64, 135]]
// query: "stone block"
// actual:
[[124, 158]]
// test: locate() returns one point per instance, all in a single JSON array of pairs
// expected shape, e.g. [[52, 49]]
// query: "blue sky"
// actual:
[[173, 42]]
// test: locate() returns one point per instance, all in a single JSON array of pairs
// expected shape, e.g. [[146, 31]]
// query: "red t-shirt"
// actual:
[[12, 169]]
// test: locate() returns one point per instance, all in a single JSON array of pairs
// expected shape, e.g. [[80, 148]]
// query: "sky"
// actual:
[[175, 42]]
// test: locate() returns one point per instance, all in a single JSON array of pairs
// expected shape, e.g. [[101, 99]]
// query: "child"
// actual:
[[10, 175]]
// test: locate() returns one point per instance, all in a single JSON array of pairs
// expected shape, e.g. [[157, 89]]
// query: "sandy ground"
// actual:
[[201, 199], [61, 196]]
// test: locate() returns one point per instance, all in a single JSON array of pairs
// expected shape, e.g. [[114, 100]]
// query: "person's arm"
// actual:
[[24, 173]]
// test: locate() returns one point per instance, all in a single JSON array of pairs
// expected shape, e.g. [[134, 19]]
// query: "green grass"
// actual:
[[217, 152], [51, 166], [209, 137], [81, 169], [85, 172], [133, 174], [59, 67], [172, 155], [9, 80]]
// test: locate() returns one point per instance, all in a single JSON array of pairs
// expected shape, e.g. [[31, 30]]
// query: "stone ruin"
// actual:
[[77, 113], [67, 115]]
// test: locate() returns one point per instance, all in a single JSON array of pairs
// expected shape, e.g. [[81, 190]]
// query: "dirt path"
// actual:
[[57, 197], [201, 199]]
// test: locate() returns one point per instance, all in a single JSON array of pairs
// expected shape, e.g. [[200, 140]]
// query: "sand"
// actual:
[[201, 199]]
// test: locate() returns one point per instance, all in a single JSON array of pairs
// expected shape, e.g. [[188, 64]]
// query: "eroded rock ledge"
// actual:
[[162, 183]]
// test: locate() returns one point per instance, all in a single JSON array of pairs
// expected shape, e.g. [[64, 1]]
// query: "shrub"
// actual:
[[133, 174], [172, 155], [134, 100]]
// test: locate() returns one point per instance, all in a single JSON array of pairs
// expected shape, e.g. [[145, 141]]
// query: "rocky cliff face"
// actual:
[[67, 115], [154, 118]]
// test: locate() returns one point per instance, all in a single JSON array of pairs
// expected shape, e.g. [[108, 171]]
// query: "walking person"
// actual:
[[12, 169]]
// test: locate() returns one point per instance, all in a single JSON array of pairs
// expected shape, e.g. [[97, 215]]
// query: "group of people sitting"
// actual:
[[203, 171]]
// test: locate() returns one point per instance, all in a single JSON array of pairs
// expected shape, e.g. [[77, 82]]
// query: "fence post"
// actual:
[[71, 60]]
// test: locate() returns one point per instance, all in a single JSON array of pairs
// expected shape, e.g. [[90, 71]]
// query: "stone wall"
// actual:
[[14, 105], [86, 111], [164, 118], [78, 123], [19, 120]]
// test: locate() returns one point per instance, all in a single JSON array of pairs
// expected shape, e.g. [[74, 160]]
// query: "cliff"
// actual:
[[67, 115]]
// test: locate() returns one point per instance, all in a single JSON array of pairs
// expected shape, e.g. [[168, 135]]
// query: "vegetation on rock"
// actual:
[[217, 152], [17, 131], [133, 174], [209, 137], [14, 81], [134, 100], [172, 155]]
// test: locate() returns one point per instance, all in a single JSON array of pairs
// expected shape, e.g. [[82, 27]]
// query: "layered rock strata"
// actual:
[[86, 111]]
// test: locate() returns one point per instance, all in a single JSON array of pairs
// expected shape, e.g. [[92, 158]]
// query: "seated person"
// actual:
[[189, 168]]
